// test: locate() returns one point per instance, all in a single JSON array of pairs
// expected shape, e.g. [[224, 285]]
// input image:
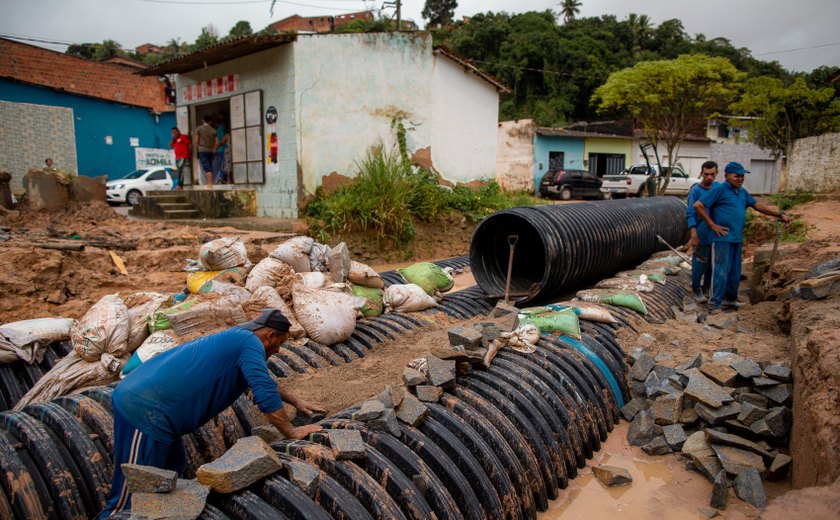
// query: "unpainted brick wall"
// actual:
[[31, 133], [814, 164]]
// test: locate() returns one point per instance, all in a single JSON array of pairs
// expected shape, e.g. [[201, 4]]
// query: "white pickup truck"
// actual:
[[631, 182]]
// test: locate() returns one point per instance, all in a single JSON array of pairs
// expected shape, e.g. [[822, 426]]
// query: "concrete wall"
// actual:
[[94, 121], [30, 134], [515, 155], [765, 170], [348, 90], [814, 164], [465, 114], [572, 148], [272, 72]]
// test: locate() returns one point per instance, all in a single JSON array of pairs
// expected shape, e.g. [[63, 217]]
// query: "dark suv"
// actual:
[[568, 184]]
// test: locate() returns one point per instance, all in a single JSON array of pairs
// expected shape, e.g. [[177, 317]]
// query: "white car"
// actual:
[[136, 184], [632, 182]]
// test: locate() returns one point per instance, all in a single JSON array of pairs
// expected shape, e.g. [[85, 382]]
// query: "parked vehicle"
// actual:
[[136, 184], [569, 184], [632, 181]]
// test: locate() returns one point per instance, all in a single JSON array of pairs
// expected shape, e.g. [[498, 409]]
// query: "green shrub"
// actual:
[[785, 201]]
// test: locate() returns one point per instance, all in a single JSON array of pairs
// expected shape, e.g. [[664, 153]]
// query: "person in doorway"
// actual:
[[222, 137], [724, 208], [701, 235], [177, 391], [205, 140], [180, 143]]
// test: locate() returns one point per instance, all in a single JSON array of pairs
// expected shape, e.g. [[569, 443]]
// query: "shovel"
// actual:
[[769, 275], [687, 259]]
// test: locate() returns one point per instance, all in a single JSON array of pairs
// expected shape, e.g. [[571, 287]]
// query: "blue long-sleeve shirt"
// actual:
[[727, 207], [178, 390], [704, 233]]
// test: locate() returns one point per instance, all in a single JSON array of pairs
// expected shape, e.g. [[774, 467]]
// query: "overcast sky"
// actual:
[[801, 35]]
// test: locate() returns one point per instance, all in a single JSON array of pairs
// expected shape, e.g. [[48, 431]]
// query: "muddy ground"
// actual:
[[39, 282]]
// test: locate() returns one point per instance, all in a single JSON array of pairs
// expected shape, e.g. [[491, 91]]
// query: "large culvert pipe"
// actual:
[[566, 246]]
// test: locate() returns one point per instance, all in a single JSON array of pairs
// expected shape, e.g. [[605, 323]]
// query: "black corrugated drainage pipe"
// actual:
[[566, 246]]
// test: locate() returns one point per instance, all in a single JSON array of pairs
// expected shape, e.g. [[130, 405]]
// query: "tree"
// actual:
[[209, 36], [669, 98], [786, 113], [107, 49], [439, 12], [241, 28], [569, 9], [82, 50]]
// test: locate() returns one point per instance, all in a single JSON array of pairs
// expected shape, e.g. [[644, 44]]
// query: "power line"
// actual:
[[34, 39], [798, 49]]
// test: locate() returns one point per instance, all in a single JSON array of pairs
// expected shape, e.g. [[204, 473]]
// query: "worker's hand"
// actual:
[[719, 230], [302, 432], [309, 408], [695, 240]]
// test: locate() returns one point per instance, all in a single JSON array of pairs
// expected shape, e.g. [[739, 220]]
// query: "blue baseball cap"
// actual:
[[736, 168]]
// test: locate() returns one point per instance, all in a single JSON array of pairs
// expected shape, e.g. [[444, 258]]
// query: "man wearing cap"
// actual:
[[723, 208], [701, 235], [177, 391]]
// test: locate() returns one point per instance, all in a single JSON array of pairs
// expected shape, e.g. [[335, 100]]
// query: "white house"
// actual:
[[302, 107]]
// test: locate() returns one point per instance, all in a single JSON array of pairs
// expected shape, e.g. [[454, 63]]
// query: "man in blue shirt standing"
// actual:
[[175, 392], [701, 235], [723, 208]]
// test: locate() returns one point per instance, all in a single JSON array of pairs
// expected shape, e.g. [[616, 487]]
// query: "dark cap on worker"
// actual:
[[736, 168], [271, 318]]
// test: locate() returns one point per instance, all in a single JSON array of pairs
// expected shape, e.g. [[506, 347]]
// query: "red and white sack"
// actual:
[[103, 329], [407, 298], [364, 275], [223, 253], [28, 339], [328, 317], [269, 272], [268, 298], [141, 305], [295, 252]]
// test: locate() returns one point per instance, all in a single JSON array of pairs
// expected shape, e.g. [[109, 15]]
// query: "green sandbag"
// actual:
[[373, 297], [565, 321], [652, 275], [628, 300], [160, 319], [428, 276]]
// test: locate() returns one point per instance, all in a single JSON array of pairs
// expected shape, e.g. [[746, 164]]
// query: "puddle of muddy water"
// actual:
[[586, 497]]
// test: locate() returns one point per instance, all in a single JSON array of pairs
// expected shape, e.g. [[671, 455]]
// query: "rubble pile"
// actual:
[[729, 415]]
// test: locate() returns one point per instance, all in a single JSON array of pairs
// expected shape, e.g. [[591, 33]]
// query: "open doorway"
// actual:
[[219, 113]]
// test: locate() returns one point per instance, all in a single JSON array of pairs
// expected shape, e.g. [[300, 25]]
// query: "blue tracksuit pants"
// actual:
[[726, 272], [134, 447], [701, 273]]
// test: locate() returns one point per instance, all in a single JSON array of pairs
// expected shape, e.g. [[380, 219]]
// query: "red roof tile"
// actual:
[[30, 64]]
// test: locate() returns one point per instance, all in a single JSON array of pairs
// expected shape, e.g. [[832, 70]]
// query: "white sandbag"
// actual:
[[407, 298], [227, 290], [28, 339], [268, 298], [339, 287], [269, 272], [70, 374], [524, 339], [364, 275], [318, 258], [206, 317], [328, 317], [223, 253], [295, 252], [141, 305], [640, 284], [313, 280], [103, 329], [160, 341]]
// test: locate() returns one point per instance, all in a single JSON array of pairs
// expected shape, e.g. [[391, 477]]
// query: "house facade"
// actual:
[[89, 117], [304, 107], [319, 24]]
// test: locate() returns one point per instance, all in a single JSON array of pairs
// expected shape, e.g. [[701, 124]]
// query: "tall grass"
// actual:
[[388, 196]]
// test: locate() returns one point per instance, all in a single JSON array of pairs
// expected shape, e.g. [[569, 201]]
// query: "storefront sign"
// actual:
[[211, 87], [154, 158]]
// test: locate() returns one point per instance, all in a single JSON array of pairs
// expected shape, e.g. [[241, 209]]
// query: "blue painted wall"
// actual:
[[572, 148], [94, 119]]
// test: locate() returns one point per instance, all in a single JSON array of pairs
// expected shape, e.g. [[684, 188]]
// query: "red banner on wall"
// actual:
[[211, 87]]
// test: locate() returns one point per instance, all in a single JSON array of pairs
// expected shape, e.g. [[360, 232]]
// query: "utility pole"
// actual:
[[398, 5]]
